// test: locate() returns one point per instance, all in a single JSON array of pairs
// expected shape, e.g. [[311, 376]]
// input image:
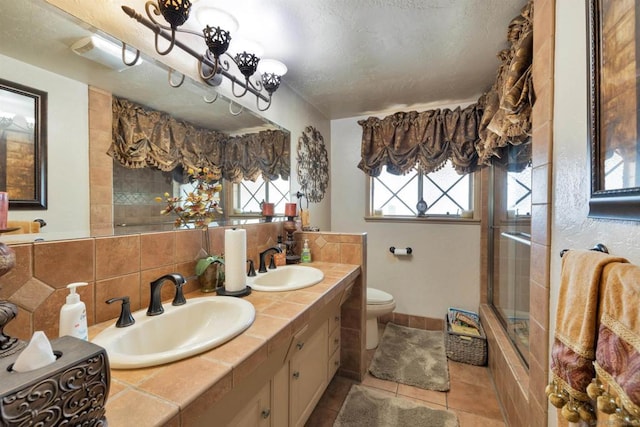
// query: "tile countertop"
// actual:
[[165, 395]]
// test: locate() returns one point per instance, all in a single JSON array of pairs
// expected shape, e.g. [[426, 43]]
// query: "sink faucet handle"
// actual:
[[125, 319], [252, 269], [179, 298], [272, 262]]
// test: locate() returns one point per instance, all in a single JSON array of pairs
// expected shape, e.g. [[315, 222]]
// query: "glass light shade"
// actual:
[[216, 18], [272, 66], [239, 45]]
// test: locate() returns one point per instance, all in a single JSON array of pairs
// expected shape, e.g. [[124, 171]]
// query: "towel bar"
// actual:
[[598, 247]]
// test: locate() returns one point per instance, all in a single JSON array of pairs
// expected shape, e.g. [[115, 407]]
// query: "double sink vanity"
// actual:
[[261, 360]]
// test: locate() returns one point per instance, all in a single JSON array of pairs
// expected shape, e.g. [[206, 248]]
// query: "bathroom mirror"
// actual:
[[146, 83], [23, 145]]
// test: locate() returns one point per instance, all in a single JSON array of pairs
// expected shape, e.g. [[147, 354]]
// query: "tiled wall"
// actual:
[[134, 205], [346, 249], [100, 164], [115, 266], [520, 390]]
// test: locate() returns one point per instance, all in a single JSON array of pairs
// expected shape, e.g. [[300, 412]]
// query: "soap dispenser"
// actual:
[[73, 315], [306, 252]]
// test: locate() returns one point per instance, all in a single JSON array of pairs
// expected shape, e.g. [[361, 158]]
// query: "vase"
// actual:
[[212, 278]]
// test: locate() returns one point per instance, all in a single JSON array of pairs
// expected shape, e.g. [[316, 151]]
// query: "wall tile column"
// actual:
[[521, 392], [100, 164]]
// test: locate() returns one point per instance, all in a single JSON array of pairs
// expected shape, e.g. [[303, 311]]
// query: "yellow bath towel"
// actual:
[[573, 350], [618, 347], [26, 227]]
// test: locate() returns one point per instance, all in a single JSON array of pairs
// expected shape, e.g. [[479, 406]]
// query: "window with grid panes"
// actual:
[[444, 191], [247, 196]]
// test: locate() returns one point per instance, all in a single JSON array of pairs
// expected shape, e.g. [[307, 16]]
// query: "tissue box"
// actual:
[[72, 391]]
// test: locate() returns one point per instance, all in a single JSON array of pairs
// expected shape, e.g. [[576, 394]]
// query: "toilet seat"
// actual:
[[378, 297]]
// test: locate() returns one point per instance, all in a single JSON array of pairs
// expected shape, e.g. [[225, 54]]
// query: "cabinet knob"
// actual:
[[336, 341], [300, 345], [265, 413], [337, 318], [296, 374], [336, 363]]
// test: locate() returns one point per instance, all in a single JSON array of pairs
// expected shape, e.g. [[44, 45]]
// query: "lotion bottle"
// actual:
[[73, 315], [306, 252]]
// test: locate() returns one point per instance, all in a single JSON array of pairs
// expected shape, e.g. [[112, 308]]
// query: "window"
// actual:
[[247, 195], [444, 191]]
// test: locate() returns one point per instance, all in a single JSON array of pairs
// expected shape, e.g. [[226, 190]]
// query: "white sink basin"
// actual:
[[199, 325], [286, 278]]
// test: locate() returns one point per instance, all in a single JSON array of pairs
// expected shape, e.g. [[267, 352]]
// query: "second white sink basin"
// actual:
[[199, 325], [286, 278]]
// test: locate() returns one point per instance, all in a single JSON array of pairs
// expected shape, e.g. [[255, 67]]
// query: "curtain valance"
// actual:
[[147, 138], [425, 140], [265, 154], [468, 137]]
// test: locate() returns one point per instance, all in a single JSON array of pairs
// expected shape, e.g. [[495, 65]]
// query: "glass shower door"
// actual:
[[511, 244]]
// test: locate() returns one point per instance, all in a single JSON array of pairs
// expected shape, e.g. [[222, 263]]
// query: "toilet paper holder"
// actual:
[[405, 251]]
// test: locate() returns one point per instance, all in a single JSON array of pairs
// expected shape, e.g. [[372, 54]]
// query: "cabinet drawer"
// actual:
[[334, 342], [333, 365], [334, 320]]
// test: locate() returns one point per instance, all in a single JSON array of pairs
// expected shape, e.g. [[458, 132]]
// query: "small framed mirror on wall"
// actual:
[[23, 145], [614, 118]]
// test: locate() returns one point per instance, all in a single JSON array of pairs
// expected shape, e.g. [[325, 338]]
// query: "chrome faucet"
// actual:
[[155, 304], [263, 266]]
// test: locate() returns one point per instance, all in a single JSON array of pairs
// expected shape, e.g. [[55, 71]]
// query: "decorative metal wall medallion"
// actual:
[[313, 164]]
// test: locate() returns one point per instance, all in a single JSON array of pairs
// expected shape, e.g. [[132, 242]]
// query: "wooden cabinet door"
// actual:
[[308, 376], [257, 412]]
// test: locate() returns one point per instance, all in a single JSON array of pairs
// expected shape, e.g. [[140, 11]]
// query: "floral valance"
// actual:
[[424, 140], [507, 105], [265, 154], [147, 138], [469, 137]]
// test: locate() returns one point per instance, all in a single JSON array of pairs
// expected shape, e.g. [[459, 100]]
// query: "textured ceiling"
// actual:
[[352, 57], [347, 58]]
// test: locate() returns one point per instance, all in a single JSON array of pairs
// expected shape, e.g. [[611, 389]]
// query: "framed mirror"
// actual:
[[614, 116], [23, 145]]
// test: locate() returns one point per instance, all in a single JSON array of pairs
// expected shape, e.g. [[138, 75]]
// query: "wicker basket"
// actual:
[[465, 348]]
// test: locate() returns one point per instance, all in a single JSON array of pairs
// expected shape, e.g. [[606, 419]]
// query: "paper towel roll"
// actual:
[[235, 259]]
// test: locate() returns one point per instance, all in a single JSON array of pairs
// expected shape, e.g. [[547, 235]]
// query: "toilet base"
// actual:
[[372, 333]]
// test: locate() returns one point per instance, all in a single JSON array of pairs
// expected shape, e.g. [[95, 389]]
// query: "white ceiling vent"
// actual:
[[103, 52]]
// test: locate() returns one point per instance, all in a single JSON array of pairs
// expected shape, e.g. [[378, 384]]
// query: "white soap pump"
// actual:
[[73, 315]]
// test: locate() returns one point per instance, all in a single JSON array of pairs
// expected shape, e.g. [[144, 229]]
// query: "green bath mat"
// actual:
[[412, 356], [365, 407]]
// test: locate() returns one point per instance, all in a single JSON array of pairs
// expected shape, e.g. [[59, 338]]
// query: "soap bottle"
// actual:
[[73, 315], [306, 252]]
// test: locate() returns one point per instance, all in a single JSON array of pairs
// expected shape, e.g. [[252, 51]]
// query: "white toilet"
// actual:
[[378, 303]]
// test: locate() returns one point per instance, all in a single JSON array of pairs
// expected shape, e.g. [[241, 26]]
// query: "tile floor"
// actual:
[[472, 396]]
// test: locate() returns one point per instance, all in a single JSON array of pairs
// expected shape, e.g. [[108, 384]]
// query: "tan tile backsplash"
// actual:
[[117, 266]]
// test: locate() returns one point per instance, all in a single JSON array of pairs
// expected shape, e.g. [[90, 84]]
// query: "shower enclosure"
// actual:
[[510, 243]]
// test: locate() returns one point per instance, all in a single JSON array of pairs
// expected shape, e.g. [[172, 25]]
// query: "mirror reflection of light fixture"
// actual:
[[218, 27], [103, 52]]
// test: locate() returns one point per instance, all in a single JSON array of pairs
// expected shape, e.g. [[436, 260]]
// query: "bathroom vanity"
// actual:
[[273, 374]]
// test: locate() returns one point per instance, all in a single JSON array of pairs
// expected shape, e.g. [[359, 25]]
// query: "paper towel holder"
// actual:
[[392, 249]]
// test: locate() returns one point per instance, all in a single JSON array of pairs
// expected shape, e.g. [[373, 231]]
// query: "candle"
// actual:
[[290, 209], [267, 209], [4, 209]]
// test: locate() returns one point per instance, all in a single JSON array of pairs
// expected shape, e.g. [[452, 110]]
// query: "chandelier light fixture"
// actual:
[[217, 41]]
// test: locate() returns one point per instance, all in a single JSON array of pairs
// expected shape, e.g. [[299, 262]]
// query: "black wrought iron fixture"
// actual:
[[211, 63]]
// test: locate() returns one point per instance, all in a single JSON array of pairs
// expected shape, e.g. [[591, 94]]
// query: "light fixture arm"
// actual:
[[235, 113], [169, 34], [265, 108], [124, 60], [171, 83], [210, 101]]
